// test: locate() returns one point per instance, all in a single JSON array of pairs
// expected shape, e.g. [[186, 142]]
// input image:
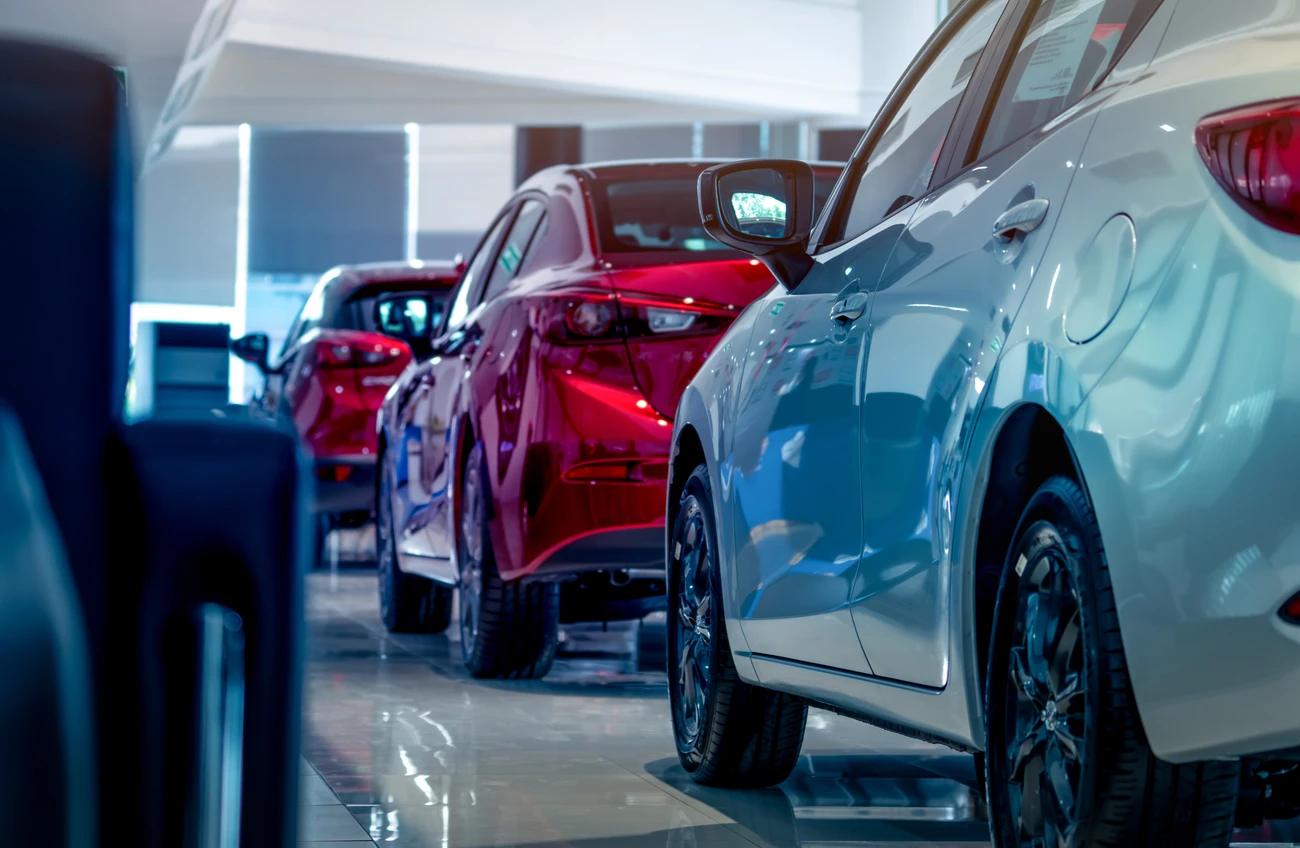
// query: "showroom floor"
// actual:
[[402, 748]]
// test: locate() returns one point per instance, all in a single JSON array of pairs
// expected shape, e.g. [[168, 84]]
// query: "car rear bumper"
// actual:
[[345, 485]]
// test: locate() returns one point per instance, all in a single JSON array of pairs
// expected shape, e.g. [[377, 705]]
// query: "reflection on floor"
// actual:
[[405, 749]]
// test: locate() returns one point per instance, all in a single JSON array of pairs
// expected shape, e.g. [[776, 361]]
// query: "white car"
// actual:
[[1008, 457]]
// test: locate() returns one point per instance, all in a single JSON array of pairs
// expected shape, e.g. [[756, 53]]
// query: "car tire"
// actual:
[[408, 603], [508, 629], [1067, 758], [728, 732]]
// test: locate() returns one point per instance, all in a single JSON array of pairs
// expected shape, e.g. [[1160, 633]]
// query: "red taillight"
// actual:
[[334, 473], [596, 316], [589, 319], [1254, 153], [1291, 610], [335, 354]]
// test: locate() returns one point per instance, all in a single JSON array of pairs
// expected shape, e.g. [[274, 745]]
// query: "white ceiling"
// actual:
[[148, 37]]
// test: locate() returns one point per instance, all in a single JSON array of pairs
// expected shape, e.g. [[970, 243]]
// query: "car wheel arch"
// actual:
[[1029, 446]]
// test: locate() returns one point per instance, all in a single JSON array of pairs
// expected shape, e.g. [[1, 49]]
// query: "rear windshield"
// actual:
[[358, 313], [658, 213], [663, 213]]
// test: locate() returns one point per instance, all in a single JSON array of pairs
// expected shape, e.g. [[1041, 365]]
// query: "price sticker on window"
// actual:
[[1062, 38]]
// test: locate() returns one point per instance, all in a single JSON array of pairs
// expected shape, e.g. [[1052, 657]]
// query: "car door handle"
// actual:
[[1022, 218], [849, 309]]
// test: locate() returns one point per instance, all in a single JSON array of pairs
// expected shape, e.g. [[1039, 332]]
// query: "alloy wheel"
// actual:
[[471, 560], [694, 628], [1045, 728]]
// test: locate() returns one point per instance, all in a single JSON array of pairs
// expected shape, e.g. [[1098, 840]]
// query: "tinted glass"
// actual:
[[658, 213], [460, 307], [422, 308], [513, 248], [1067, 49], [902, 161], [309, 317]]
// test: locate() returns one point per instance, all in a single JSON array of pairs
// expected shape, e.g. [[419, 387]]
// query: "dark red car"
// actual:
[[360, 327], [525, 461]]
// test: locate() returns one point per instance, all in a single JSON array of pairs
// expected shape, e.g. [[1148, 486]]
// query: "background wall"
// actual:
[[188, 210]]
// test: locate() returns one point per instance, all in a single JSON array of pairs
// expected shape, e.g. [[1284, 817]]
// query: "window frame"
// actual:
[[841, 199], [509, 211], [537, 197], [977, 122]]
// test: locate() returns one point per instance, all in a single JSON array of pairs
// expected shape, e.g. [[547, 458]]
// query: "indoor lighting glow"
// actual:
[[412, 190], [239, 314]]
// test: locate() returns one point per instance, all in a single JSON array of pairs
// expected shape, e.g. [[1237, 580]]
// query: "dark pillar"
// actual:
[[838, 145], [537, 148]]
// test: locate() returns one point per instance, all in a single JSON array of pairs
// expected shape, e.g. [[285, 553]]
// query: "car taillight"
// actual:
[[1254, 153], [1291, 610], [331, 354], [591, 316]]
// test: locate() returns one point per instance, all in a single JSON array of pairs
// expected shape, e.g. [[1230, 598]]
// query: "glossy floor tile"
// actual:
[[412, 752]]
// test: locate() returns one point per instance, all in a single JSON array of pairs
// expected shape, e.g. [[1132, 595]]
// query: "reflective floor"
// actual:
[[402, 748]]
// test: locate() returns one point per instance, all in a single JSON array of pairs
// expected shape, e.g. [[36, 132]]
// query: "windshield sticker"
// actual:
[[509, 258], [1058, 56]]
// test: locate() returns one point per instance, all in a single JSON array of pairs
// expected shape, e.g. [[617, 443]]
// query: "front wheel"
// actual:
[[728, 732], [408, 603], [1068, 762]]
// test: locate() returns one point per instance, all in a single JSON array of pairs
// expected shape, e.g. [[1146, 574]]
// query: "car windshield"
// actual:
[[358, 313], [652, 213]]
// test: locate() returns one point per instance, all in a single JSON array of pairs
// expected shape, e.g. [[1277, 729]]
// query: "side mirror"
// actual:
[[253, 348], [763, 207]]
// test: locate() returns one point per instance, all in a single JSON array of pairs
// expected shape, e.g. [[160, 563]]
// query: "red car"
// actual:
[[525, 462], [359, 329]]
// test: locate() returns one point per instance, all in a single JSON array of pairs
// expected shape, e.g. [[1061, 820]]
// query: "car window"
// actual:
[[513, 248], [651, 211], [463, 300], [309, 317], [1067, 48], [387, 308], [902, 160]]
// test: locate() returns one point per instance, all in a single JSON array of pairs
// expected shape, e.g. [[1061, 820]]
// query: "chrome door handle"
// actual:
[[849, 309], [1022, 218]]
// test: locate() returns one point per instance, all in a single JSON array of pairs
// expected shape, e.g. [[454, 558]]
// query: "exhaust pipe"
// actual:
[[619, 578]]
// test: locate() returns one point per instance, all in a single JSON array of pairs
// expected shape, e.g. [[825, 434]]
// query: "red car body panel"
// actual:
[[576, 431], [330, 378]]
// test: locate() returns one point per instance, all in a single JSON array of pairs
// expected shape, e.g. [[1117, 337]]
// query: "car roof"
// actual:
[[346, 279], [548, 177]]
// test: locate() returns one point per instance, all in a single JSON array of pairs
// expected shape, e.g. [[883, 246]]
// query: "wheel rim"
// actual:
[[1046, 706], [693, 627], [471, 560]]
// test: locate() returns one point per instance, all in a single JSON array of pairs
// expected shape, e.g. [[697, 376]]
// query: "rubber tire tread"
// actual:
[[753, 735], [519, 623], [1140, 799]]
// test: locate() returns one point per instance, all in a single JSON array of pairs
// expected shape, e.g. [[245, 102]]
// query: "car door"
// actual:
[[796, 455], [458, 352], [945, 303], [421, 503]]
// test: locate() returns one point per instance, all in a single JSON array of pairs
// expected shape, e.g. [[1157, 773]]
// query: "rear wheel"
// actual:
[[408, 603], [728, 732], [507, 629], [1068, 762]]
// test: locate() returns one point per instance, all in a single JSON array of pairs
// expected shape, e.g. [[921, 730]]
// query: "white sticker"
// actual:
[[1062, 40], [1020, 566]]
